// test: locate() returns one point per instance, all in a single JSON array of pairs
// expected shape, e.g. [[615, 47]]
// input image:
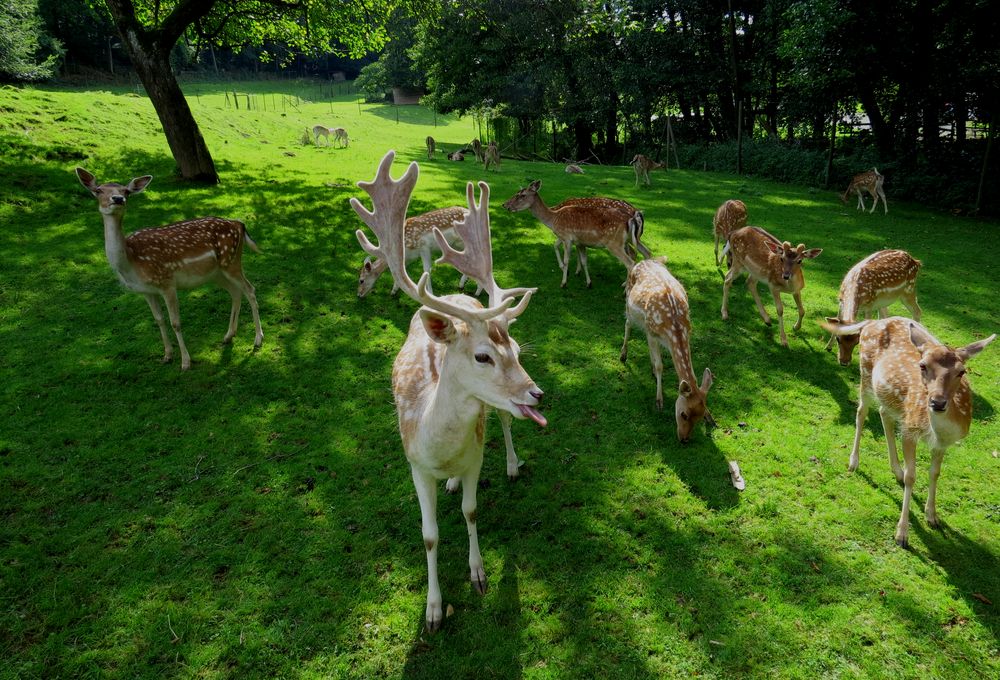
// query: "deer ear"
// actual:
[[367, 266], [971, 350], [536, 185], [87, 180], [773, 247], [685, 388], [438, 326], [920, 336], [138, 185], [812, 252], [706, 381]]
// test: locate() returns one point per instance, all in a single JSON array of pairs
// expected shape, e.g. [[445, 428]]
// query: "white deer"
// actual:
[[920, 385], [339, 135], [588, 223], [657, 303], [767, 259], [871, 286], [867, 182], [157, 262], [458, 360]]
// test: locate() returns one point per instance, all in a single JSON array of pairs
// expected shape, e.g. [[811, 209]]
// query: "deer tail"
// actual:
[[249, 241]]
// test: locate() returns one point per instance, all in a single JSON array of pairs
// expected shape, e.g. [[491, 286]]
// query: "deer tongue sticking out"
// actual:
[[532, 412]]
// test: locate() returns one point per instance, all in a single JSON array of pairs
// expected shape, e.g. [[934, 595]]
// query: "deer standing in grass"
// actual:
[[777, 264], [491, 157], [588, 223], [157, 262], [642, 165], [430, 147], [477, 148], [871, 286], [657, 303], [458, 360], [730, 216], [867, 182], [920, 385]]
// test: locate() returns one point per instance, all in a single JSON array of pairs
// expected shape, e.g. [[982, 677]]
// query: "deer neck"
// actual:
[[114, 244], [680, 353], [543, 213], [451, 422]]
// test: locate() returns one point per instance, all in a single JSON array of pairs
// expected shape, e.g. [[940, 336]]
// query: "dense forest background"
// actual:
[[804, 91]]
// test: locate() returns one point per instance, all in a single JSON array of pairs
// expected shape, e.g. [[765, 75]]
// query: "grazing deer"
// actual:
[[573, 169], [182, 255], [870, 182], [642, 165], [322, 131], [419, 242], [340, 137], [456, 156], [430, 147], [871, 286], [767, 259], [918, 384], [477, 148], [587, 222], [458, 360], [657, 303], [730, 216], [491, 157]]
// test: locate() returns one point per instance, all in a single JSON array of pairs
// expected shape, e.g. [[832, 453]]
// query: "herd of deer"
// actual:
[[459, 360]]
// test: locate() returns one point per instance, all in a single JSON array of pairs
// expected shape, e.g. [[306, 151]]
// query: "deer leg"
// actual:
[[565, 262], [579, 258], [624, 353], [174, 311], [889, 425], [930, 509], [726, 285], [656, 358], [864, 400], [752, 285], [236, 293], [582, 250], [250, 292], [802, 310], [874, 196], [885, 204], [717, 260], [910, 458], [557, 246], [861, 202], [513, 464], [470, 482], [909, 300], [426, 487], [154, 306], [779, 308], [883, 313]]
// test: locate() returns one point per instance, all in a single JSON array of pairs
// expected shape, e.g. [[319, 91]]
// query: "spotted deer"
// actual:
[[730, 216], [491, 157], [458, 360], [777, 264], [430, 147], [871, 286], [588, 223], [867, 182], [456, 156], [642, 165], [657, 303], [157, 262], [322, 131], [477, 148], [918, 384], [574, 169]]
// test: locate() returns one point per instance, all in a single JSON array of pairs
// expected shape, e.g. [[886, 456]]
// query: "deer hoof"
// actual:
[[433, 622], [623, 357], [934, 522], [452, 485], [479, 580], [903, 542]]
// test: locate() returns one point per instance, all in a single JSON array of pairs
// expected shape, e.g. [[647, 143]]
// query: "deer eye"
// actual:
[[684, 415], [484, 358], [923, 368], [961, 373]]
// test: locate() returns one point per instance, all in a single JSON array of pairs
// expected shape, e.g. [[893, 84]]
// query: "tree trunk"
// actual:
[[584, 140]]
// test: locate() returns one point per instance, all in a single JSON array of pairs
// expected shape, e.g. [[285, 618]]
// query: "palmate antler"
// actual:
[[476, 259], [390, 199]]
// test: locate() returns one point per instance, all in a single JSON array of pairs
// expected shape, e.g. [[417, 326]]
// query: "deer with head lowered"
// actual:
[[458, 360], [657, 302], [919, 384], [867, 182], [642, 165], [587, 223], [767, 259], [730, 216], [157, 262], [871, 286]]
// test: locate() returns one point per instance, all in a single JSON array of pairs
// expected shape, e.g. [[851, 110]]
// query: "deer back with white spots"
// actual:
[[919, 385], [869, 287], [458, 360], [730, 216], [777, 264], [867, 182], [159, 261], [588, 223], [657, 303]]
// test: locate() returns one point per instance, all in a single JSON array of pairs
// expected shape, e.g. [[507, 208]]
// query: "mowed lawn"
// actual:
[[255, 517]]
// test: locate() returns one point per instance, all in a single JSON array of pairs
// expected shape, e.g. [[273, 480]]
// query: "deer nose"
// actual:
[[118, 200], [536, 393], [939, 405], [786, 276]]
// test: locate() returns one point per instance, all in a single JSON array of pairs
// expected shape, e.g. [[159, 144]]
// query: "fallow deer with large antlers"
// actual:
[[871, 286], [458, 360], [642, 165], [730, 216], [867, 182], [920, 385], [157, 262], [587, 223], [777, 264], [657, 303]]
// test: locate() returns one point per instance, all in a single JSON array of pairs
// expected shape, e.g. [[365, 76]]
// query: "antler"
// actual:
[[390, 199], [476, 259]]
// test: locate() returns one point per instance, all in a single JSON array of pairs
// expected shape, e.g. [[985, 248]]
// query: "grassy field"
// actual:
[[255, 517]]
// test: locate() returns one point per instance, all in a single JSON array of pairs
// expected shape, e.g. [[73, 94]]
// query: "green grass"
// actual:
[[255, 517]]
